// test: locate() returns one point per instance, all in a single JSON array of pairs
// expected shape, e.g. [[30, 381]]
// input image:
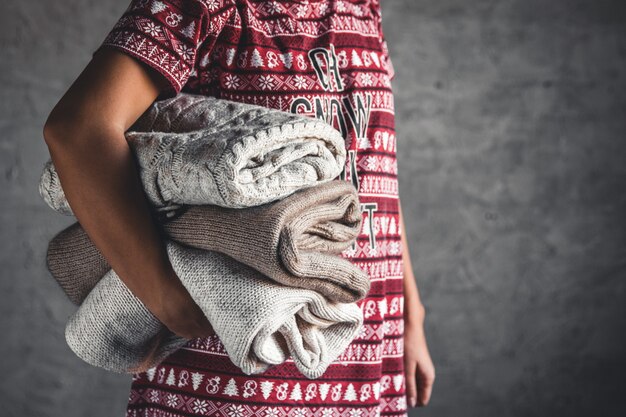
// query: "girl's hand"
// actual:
[[419, 368]]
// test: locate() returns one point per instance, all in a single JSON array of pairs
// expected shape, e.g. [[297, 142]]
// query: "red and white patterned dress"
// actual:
[[325, 59]]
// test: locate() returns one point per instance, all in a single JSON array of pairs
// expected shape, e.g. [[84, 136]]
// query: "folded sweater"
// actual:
[[195, 149], [260, 323], [295, 241]]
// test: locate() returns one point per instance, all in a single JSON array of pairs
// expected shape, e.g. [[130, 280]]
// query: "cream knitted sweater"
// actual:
[[195, 149]]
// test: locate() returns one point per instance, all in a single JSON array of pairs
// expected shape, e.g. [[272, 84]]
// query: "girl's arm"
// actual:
[[418, 365], [85, 137], [414, 308]]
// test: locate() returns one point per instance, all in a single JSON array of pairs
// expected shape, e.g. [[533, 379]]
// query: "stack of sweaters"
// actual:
[[255, 220]]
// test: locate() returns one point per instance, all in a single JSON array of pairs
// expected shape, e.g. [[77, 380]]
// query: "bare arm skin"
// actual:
[[85, 137], [419, 367]]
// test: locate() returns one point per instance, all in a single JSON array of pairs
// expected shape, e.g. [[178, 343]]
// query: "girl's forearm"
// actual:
[[413, 307], [102, 185]]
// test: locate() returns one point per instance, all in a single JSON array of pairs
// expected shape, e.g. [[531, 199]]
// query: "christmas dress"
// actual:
[[325, 59]]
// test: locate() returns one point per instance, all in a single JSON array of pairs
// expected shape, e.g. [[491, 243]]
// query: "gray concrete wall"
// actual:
[[511, 119]]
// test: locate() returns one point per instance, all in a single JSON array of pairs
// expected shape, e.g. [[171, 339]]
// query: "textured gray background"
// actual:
[[511, 119]]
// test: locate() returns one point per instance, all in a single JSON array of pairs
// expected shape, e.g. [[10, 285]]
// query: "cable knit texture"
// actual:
[[195, 149], [261, 323], [294, 241]]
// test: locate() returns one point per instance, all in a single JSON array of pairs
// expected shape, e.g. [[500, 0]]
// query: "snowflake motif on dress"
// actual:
[[327, 412], [355, 412], [272, 412], [231, 81], [358, 11], [362, 332], [265, 82], [300, 82], [200, 406], [299, 412], [186, 52], [273, 7], [367, 79], [301, 11], [154, 396], [394, 248], [211, 4], [370, 163], [172, 400], [152, 29]]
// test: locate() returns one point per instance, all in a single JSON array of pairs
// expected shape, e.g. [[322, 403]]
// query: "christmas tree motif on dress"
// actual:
[[324, 387], [356, 60], [374, 56], [363, 142], [171, 379], [266, 388], [384, 224], [296, 393], [189, 30], [150, 373], [350, 394], [376, 390], [359, 352], [230, 56], [157, 7], [393, 227], [231, 388], [196, 379], [256, 60], [183, 379], [287, 59], [397, 381]]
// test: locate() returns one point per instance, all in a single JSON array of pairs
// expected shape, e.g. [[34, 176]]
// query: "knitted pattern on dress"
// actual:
[[260, 323], [295, 241], [196, 149]]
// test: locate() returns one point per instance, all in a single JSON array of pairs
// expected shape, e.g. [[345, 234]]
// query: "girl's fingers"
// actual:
[[411, 383], [425, 381]]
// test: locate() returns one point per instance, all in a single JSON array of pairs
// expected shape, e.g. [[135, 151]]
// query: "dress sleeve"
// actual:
[[163, 34]]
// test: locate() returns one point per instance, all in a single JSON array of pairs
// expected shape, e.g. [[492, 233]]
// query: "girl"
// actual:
[[322, 58]]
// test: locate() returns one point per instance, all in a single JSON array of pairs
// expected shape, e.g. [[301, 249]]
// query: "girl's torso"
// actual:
[[324, 59]]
